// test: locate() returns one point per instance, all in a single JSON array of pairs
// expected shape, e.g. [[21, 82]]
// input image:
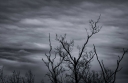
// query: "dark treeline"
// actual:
[[16, 77]]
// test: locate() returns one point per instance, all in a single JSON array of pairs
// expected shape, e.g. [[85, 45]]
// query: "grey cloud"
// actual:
[[36, 66], [13, 11], [20, 54], [25, 25], [49, 8]]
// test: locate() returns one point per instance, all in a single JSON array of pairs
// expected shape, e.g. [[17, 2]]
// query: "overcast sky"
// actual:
[[26, 24]]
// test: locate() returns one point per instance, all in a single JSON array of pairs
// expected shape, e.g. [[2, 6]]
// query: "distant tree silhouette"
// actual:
[[17, 78], [71, 69], [29, 77], [2, 77]]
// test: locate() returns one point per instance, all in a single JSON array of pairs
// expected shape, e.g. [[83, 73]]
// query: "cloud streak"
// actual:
[[25, 25]]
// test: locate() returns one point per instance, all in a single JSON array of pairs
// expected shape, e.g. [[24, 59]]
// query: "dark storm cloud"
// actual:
[[14, 10], [19, 54], [25, 24]]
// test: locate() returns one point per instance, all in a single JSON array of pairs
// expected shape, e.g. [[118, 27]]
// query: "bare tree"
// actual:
[[55, 69], [16, 77], [77, 69], [77, 66], [74, 64], [29, 77], [3, 78], [109, 76]]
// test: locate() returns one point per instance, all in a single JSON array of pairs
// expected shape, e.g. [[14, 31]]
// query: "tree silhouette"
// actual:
[[16, 77], [109, 76], [2, 76], [77, 69], [55, 70], [29, 77]]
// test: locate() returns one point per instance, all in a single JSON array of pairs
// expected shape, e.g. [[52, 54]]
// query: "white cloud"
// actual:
[[31, 21], [40, 45]]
